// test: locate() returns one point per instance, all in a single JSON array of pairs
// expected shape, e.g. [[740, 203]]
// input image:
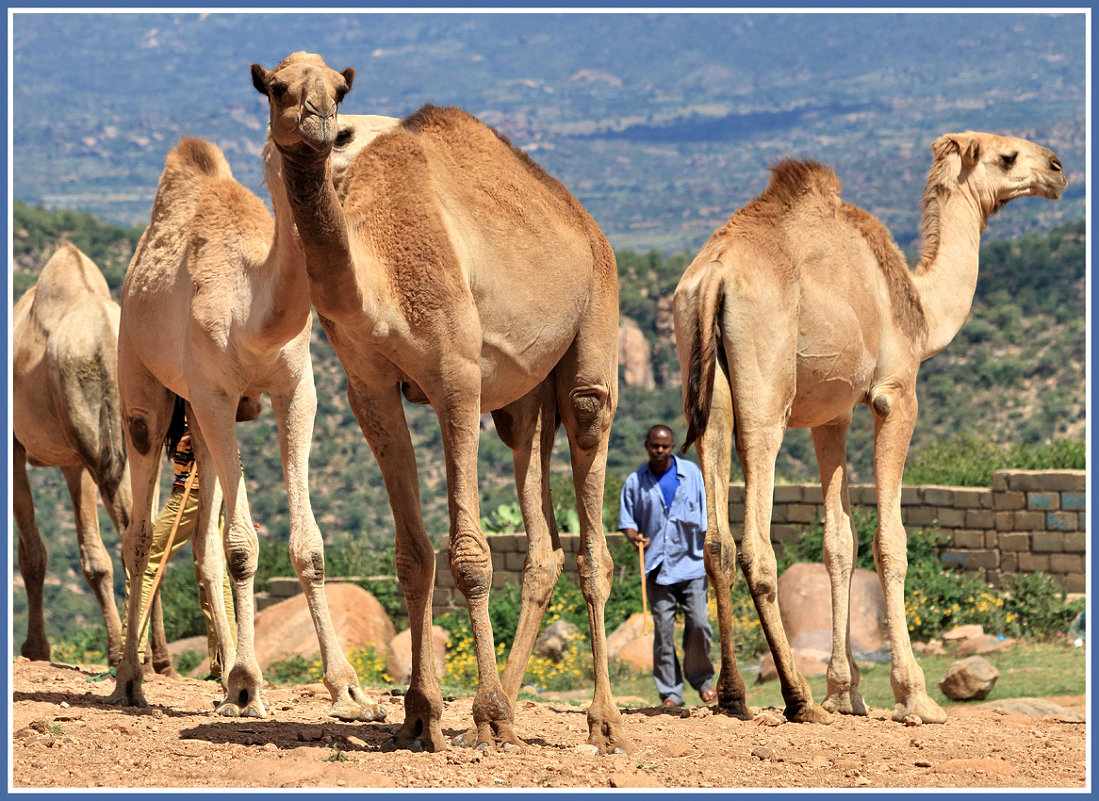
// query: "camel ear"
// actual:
[[944, 146], [971, 153], [260, 76], [349, 76]]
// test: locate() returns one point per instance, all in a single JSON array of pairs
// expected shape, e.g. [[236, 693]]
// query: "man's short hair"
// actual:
[[659, 427]]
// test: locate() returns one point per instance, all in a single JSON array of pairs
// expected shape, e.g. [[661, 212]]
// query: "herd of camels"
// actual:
[[449, 269]]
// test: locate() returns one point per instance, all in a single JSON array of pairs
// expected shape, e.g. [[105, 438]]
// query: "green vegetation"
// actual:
[[967, 461]]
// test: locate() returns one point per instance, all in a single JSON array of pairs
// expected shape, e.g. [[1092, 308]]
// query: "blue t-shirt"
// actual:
[[676, 530]]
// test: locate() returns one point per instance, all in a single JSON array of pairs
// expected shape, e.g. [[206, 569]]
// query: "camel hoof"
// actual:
[[254, 710], [349, 710], [466, 739], [228, 710], [811, 712], [845, 704], [925, 709]]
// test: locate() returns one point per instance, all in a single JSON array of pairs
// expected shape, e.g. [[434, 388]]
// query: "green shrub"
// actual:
[[1034, 606], [295, 670], [87, 646], [969, 461]]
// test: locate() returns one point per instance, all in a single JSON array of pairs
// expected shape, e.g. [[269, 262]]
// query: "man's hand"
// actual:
[[636, 537]]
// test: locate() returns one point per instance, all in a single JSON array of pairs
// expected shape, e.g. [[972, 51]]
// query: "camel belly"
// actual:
[[829, 385]]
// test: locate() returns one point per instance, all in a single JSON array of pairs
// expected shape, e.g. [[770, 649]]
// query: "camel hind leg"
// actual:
[[715, 448], [32, 557], [95, 562]]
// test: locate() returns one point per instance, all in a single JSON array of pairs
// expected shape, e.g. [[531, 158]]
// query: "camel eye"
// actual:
[[344, 137], [278, 89], [1009, 160]]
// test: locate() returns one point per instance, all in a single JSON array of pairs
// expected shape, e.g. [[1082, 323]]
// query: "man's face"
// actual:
[[659, 447]]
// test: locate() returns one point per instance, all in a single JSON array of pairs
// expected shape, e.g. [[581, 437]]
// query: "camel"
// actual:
[[799, 308], [216, 310], [451, 269]]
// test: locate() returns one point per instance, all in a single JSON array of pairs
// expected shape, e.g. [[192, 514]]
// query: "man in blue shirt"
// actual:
[[663, 507]]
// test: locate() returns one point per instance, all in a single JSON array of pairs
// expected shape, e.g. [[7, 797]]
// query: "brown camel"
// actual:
[[457, 272], [796, 310], [216, 310]]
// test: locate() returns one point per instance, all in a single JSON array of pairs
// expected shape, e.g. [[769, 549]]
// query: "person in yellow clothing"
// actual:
[[183, 463]]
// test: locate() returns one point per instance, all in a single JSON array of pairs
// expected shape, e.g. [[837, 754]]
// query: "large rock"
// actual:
[[637, 654], [398, 662], [635, 626], [634, 355], [286, 629], [805, 604], [554, 642], [970, 679]]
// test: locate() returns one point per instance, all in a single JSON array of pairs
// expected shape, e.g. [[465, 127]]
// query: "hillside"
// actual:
[[1015, 374]]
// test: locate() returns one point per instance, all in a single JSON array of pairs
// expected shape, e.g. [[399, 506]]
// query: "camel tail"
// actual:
[[701, 329]]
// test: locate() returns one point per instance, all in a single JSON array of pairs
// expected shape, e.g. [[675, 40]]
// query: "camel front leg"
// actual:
[[378, 409], [95, 562], [841, 547], [295, 413], [715, 448], [212, 420], [32, 560], [470, 561], [894, 420]]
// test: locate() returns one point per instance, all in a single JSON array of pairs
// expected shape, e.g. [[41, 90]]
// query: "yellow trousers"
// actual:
[[161, 529]]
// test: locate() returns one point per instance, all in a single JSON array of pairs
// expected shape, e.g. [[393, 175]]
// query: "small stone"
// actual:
[[586, 749], [355, 741], [762, 753], [270, 747], [64, 704], [922, 763], [913, 720]]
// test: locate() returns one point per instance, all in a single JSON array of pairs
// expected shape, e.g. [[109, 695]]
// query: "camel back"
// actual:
[[68, 276]]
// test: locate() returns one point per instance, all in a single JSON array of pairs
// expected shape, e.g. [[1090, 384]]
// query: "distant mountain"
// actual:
[[662, 124]]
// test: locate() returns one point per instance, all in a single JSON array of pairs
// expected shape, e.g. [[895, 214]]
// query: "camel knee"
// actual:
[[596, 572], [540, 577], [589, 409], [309, 564], [762, 577], [471, 565], [137, 426], [242, 563]]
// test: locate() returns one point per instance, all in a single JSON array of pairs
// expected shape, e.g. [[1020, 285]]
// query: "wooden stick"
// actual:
[[644, 601], [187, 485]]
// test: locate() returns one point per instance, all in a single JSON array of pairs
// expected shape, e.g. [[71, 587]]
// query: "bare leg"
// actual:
[[714, 455], [841, 547], [383, 423], [295, 413], [894, 419], [32, 559]]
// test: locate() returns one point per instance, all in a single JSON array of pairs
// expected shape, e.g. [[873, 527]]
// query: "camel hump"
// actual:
[[68, 277], [199, 156], [795, 178]]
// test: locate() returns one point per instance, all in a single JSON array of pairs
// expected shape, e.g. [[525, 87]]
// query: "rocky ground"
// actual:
[[65, 735]]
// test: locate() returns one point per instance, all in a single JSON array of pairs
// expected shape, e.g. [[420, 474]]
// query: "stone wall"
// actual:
[[1028, 521]]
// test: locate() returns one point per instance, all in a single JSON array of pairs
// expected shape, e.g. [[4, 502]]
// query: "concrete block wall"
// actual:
[[1028, 521]]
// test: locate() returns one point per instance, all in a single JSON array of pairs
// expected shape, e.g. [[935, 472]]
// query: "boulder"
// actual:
[[634, 627], [398, 662], [634, 355], [286, 629], [804, 600], [959, 633], [637, 654], [554, 642], [809, 662], [985, 644], [969, 679]]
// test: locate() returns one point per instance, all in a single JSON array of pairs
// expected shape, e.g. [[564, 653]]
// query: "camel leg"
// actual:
[[213, 421], [528, 427], [32, 557], [95, 562], [714, 456], [841, 546], [381, 418], [470, 560], [894, 419], [587, 396], [208, 549], [146, 427], [158, 646], [295, 413]]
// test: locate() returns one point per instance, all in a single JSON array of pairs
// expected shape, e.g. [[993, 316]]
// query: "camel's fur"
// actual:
[[458, 272], [796, 310], [215, 309]]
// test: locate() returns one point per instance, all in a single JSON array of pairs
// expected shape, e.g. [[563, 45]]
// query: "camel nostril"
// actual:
[[1055, 163]]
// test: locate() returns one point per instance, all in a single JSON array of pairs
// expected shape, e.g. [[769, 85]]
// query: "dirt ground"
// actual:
[[65, 735]]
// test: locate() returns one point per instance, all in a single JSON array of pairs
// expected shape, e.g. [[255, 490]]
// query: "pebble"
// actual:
[[586, 749], [763, 753]]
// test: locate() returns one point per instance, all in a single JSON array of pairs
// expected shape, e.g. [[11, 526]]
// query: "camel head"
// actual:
[[998, 168], [304, 94]]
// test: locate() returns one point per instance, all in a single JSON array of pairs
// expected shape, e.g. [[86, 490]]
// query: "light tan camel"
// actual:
[[65, 414], [797, 310], [458, 272], [216, 310]]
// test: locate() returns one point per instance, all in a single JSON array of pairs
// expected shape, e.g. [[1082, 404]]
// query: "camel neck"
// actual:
[[320, 221], [946, 278]]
